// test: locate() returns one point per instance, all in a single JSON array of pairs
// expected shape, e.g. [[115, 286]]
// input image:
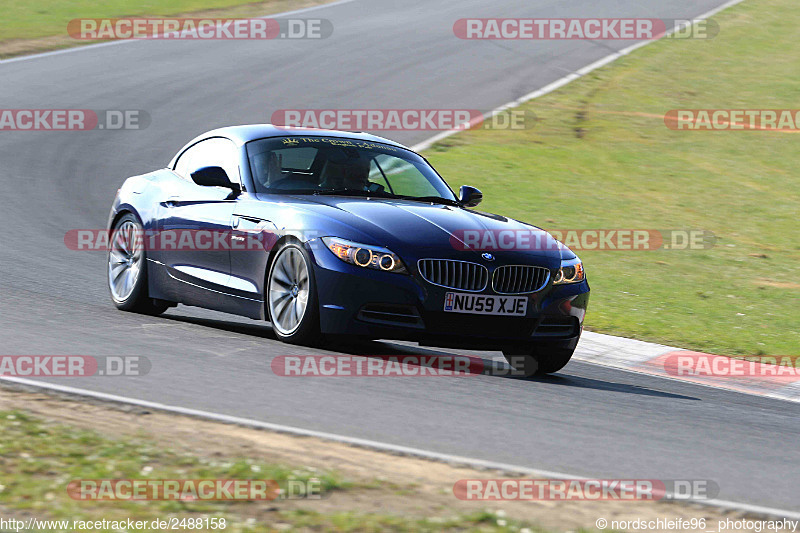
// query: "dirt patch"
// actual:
[[776, 284], [383, 482]]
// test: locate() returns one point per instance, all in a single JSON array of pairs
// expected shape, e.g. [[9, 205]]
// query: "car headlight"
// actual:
[[571, 271], [365, 255]]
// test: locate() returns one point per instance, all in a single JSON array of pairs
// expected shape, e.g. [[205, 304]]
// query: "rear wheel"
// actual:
[[292, 296], [540, 359], [127, 269]]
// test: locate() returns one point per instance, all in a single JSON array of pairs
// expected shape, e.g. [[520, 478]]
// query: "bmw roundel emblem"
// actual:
[[487, 256]]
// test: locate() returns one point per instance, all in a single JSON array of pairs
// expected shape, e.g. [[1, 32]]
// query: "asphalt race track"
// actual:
[[588, 420]]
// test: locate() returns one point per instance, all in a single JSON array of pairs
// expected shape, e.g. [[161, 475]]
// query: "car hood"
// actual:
[[416, 228]]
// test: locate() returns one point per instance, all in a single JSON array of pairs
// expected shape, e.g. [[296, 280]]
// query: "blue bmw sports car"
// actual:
[[326, 233]]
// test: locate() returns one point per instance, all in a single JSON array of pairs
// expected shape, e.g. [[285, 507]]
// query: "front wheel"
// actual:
[[539, 360], [127, 269], [292, 296]]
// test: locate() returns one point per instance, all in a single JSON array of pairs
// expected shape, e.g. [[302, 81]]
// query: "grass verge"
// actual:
[[48, 440], [600, 156], [40, 458]]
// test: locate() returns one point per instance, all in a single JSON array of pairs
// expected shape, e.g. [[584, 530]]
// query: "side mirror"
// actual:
[[214, 177], [469, 196]]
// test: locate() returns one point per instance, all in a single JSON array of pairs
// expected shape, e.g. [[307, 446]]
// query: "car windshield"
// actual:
[[329, 165]]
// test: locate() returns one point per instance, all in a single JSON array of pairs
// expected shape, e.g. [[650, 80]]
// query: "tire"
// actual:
[[127, 269], [539, 360], [291, 296]]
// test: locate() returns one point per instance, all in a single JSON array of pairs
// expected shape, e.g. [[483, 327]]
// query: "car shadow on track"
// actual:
[[255, 329], [410, 355], [500, 369], [604, 385]]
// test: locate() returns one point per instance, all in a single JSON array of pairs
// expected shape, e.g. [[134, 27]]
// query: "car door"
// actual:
[[258, 222], [196, 224]]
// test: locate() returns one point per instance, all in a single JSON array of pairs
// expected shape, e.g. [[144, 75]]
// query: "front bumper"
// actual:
[[369, 303]]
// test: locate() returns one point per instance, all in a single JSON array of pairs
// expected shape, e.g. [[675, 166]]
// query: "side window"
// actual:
[[376, 176], [214, 152], [404, 178]]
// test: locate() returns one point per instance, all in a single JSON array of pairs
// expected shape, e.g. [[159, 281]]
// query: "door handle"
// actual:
[[245, 223], [172, 201]]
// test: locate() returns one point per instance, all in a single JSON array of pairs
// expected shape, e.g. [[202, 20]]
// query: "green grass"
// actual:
[[347, 522], [38, 459], [24, 19], [600, 156]]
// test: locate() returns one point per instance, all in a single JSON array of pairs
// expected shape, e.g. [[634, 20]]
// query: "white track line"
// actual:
[[573, 76], [367, 443], [80, 48]]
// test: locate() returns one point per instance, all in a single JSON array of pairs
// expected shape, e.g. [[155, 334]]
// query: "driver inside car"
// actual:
[[267, 168], [352, 175]]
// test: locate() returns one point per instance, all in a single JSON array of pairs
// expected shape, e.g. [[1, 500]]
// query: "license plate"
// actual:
[[478, 304]]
